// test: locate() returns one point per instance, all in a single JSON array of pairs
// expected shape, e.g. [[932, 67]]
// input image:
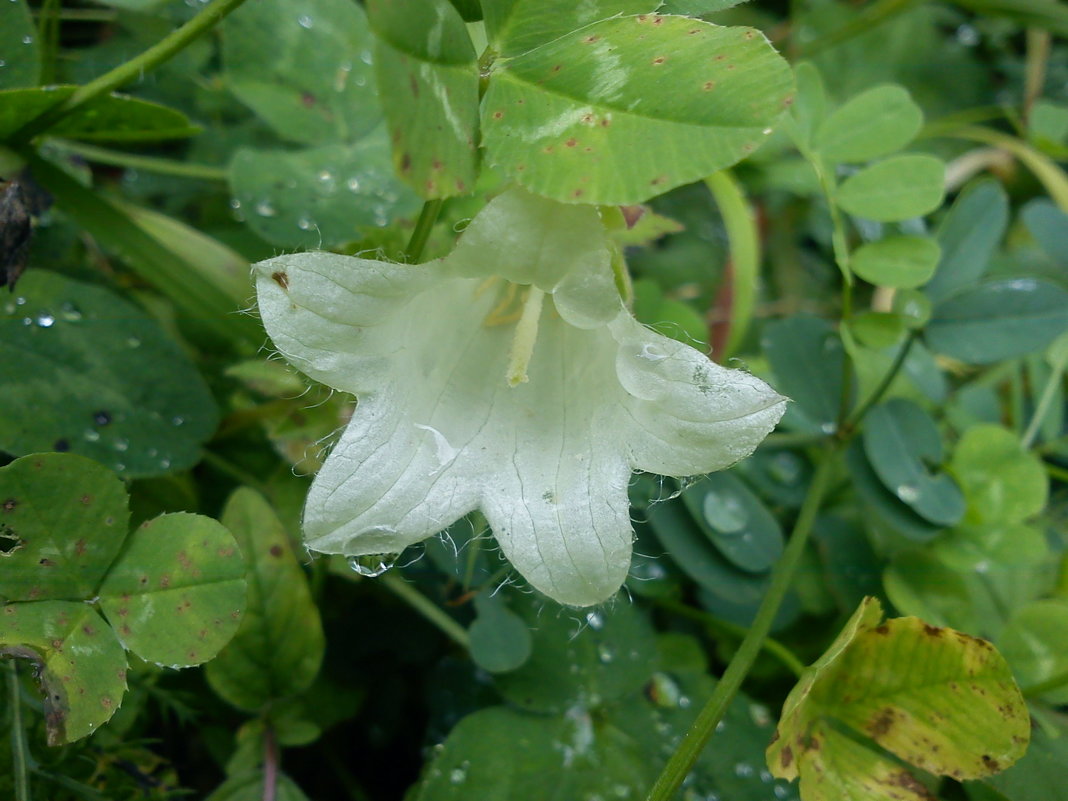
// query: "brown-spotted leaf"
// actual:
[[80, 665], [939, 699], [63, 519], [176, 594]]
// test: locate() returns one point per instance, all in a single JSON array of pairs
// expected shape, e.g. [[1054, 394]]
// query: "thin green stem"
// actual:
[[162, 51], [1056, 472], [772, 646], [20, 754], [427, 608], [682, 761], [1044, 403], [884, 384], [423, 226], [116, 158]]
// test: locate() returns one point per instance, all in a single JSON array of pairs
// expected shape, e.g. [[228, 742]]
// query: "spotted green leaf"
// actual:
[[874, 123], [679, 97], [63, 519], [894, 189], [86, 371], [902, 262], [322, 196], [901, 440], [176, 594], [278, 648], [80, 664], [938, 699], [304, 66], [18, 43], [428, 81], [516, 26], [109, 118]]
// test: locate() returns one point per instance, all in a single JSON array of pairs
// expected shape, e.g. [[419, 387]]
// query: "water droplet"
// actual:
[[27, 39], [27, 321], [164, 464], [122, 445], [765, 775], [372, 565], [605, 654], [91, 435], [45, 320], [785, 467], [967, 35], [120, 466], [353, 184], [595, 620], [725, 513], [366, 57], [3, 63], [69, 312], [177, 420], [743, 770], [265, 209], [327, 182], [909, 493], [828, 428], [305, 224], [780, 791], [305, 21], [459, 775], [20, 301], [235, 204], [133, 342], [766, 132]]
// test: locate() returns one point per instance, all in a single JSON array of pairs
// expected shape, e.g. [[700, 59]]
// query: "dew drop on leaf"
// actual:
[[725, 513]]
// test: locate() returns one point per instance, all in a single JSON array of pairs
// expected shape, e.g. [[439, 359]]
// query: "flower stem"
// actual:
[[162, 51], [682, 761], [423, 226], [20, 757], [424, 606], [132, 161], [884, 384]]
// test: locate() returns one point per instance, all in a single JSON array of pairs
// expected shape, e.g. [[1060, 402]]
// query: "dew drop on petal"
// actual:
[[372, 565]]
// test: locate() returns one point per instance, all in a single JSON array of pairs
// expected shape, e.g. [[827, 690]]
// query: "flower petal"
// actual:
[[684, 414], [331, 315]]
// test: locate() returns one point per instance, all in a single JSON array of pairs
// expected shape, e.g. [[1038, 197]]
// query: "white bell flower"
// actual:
[[507, 377]]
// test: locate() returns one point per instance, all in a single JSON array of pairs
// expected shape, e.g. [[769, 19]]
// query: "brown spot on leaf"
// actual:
[[906, 781], [413, 84], [748, 35], [106, 702], [786, 756], [405, 162], [10, 504], [990, 763], [436, 164], [46, 563], [932, 631], [557, 67], [548, 149], [276, 551], [57, 644], [571, 142], [281, 279], [708, 86], [80, 547], [883, 629], [498, 114], [307, 99], [164, 581], [125, 630], [431, 186], [882, 723], [88, 630], [590, 39], [578, 193]]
